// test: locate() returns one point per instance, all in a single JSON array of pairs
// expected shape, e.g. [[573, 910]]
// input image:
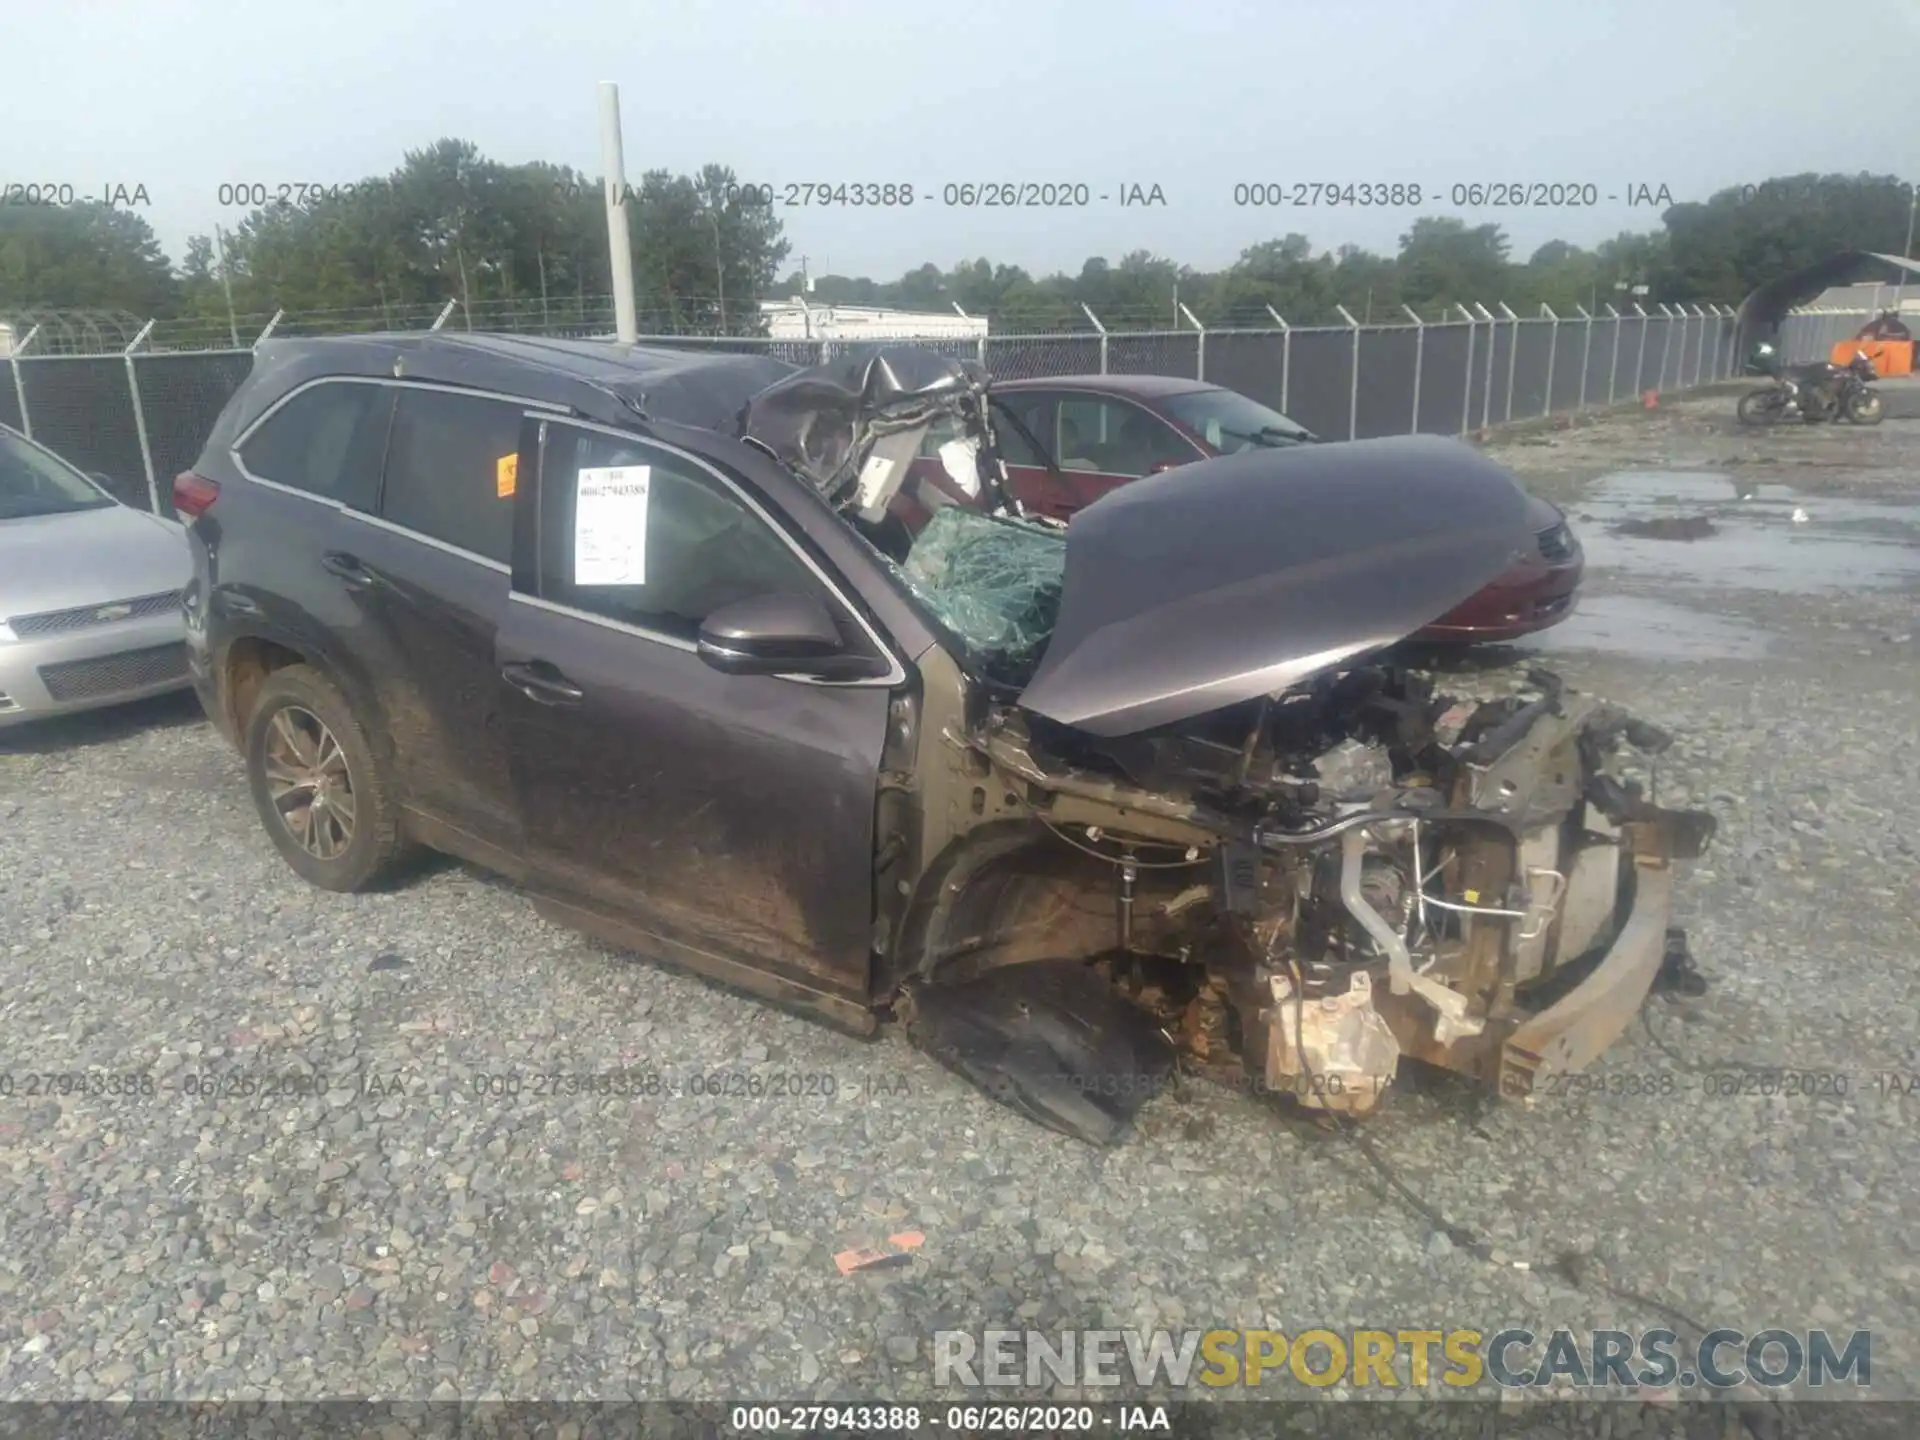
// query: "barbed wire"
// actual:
[[690, 317], [61, 331]]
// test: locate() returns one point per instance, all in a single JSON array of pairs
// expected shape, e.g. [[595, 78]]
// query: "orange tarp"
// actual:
[[1890, 357]]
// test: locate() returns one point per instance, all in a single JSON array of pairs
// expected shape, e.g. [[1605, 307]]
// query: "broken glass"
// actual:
[[994, 582]]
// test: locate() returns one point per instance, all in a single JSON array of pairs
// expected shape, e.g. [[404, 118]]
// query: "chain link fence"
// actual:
[[1810, 335], [139, 417]]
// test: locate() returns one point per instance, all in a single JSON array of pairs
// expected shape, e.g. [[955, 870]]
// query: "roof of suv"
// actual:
[[699, 387]]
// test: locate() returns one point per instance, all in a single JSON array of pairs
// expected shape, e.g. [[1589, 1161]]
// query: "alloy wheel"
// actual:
[[307, 776]]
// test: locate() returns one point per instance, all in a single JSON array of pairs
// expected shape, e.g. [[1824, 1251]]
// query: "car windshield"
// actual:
[[994, 583], [34, 482], [1229, 422]]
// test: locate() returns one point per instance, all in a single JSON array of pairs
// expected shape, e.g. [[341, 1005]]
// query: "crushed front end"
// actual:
[[1163, 799], [1306, 891]]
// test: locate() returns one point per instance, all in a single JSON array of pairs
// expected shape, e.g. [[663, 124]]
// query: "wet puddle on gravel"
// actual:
[[1753, 542], [1710, 531], [1650, 629]]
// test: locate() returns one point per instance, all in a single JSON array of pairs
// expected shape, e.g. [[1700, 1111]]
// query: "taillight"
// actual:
[[193, 495]]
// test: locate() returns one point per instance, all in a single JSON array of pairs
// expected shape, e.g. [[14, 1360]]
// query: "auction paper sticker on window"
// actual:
[[610, 525]]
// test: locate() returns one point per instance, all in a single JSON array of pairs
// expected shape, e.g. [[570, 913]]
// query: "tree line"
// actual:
[[526, 244]]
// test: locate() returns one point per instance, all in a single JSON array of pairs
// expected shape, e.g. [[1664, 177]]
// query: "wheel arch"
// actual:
[[250, 658], [1005, 893]]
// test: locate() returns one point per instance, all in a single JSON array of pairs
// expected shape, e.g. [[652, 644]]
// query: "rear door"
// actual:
[[428, 564], [731, 815], [312, 459]]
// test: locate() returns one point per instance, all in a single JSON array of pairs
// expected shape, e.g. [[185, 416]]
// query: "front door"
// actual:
[[1102, 443], [731, 815], [1089, 444]]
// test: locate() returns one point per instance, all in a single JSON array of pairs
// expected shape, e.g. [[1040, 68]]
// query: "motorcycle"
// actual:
[[1812, 393], [1855, 396]]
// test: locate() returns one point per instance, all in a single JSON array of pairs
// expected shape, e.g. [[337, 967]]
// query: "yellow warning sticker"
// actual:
[[1473, 897], [506, 474]]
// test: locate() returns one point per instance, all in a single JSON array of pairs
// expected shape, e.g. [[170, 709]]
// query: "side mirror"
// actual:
[[769, 635]]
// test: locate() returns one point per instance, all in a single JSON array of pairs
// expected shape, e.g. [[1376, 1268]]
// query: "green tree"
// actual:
[[1444, 262], [923, 288], [73, 257], [1744, 236], [1557, 274], [1366, 284], [1280, 274], [514, 243], [703, 257]]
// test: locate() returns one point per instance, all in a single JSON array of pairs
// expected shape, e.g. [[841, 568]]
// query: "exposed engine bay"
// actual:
[[1302, 891], [1165, 799]]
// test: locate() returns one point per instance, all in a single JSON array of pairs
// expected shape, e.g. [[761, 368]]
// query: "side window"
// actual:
[[326, 441], [1116, 438], [640, 536], [1029, 411], [1082, 431], [1014, 447], [444, 476]]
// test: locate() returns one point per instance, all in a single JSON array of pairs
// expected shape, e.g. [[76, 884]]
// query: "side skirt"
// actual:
[[841, 1014]]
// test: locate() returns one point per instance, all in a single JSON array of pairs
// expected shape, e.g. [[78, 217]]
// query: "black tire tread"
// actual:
[[1757, 414], [379, 839]]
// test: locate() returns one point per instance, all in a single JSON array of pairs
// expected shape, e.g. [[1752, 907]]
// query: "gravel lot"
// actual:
[[407, 1234]]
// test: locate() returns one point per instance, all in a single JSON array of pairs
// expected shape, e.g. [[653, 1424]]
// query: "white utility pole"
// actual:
[[619, 246], [226, 284], [1906, 251]]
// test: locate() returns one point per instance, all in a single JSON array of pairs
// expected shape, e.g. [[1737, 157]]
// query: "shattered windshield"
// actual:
[[899, 442], [994, 583]]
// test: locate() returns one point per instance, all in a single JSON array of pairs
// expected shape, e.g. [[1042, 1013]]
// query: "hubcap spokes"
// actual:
[[307, 777]]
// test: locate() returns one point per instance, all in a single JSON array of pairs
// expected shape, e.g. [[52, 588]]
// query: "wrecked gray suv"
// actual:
[[1076, 804]]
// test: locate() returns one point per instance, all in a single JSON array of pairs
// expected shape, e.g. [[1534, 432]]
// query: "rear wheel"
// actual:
[[1864, 408], [1762, 407], [324, 797]]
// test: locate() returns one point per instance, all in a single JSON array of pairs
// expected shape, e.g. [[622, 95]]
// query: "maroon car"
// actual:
[[1068, 440]]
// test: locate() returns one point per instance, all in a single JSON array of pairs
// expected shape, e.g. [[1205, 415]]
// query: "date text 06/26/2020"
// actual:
[[1052, 194], [961, 194], [1460, 195]]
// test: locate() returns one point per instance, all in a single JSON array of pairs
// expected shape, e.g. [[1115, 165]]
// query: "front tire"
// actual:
[[1761, 407], [325, 799], [1864, 408]]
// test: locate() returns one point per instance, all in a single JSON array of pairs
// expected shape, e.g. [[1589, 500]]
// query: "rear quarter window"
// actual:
[[326, 440]]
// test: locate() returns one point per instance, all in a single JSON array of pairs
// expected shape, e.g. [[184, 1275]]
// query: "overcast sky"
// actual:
[[1194, 96]]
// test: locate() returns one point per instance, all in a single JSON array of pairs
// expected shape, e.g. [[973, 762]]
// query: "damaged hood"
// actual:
[[851, 427], [1239, 577]]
